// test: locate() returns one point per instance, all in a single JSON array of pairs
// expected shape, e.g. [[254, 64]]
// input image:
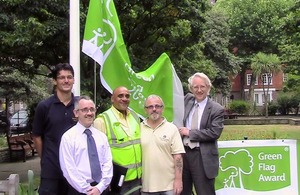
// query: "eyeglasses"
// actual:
[[86, 110], [69, 77], [202, 87], [154, 106]]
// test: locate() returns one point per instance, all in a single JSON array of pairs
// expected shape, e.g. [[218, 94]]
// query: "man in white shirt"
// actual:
[[74, 154], [204, 123]]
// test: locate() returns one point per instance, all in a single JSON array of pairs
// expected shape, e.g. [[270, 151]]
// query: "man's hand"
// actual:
[[184, 131], [177, 186], [93, 191]]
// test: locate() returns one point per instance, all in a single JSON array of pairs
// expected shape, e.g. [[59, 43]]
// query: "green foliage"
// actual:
[[3, 141], [33, 31], [260, 132], [216, 39], [255, 26], [292, 84], [288, 102], [290, 45], [35, 37], [239, 106], [29, 188], [283, 103], [273, 107], [292, 87], [265, 66]]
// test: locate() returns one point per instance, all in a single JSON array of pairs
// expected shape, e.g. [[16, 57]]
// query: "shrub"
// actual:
[[239, 106], [3, 141], [288, 102], [283, 103], [273, 107]]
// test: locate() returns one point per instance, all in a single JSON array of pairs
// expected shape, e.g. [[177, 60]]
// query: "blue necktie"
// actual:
[[93, 156]]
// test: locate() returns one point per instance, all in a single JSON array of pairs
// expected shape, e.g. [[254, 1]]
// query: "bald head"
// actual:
[[121, 98]]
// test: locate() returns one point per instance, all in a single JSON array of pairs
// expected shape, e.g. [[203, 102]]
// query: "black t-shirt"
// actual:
[[52, 119]]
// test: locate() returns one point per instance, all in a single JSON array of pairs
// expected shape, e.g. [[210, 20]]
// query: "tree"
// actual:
[[290, 50], [33, 39], [175, 27], [264, 66], [35, 36], [256, 26], [216, 39], [290, 45]]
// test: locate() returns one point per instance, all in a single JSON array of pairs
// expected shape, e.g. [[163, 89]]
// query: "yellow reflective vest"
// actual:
[[126, 151]]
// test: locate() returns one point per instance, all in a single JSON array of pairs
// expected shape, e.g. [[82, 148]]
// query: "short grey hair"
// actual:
[[200, 75], [77, 100], [154, 96]]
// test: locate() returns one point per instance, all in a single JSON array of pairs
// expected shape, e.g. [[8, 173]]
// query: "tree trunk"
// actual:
[[250, 97]]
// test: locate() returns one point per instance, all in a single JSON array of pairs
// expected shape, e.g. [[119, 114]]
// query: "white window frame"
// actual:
[[265, 77], [249, 79], [258, 95], [256, 98], [263, 98]]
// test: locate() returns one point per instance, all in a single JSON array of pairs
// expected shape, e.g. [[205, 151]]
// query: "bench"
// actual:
[[20, 143], [230, 115]]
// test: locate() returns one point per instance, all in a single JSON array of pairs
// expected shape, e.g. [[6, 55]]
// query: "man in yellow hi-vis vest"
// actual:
[[122, 128]]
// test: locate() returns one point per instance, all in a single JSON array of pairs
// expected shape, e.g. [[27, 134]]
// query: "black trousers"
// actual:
[[72, 191], [194, 174], [53, 186]]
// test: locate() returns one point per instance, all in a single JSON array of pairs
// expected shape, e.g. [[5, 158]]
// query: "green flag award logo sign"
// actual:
[[104, 43], [257, 167]]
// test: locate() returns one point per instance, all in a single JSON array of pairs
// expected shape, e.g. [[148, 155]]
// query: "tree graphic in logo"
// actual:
[[233, 169]]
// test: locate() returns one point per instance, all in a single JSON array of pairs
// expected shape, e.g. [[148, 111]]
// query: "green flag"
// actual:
[[104, 43]]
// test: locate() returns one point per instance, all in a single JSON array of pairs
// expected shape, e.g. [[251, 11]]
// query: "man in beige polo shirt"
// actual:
[[161, 151]]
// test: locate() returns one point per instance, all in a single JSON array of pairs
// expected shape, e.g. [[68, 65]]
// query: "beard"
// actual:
[[154, 116]]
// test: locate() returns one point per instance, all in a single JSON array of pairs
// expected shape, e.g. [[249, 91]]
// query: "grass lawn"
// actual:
[[254, 132]]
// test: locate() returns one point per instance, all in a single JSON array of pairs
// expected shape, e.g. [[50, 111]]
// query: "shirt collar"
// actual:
[[57, 100], [162, 122], [118, 113], [202, 103], [81, 128]]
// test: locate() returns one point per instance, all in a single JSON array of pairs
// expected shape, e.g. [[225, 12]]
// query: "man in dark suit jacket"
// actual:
[[200, 134]]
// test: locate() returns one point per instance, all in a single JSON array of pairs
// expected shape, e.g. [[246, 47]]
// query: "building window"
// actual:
[[256, 98], [249, 79], [267, 79], [268, 96]]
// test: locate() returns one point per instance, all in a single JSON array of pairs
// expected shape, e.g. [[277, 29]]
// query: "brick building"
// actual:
[[240, 88]]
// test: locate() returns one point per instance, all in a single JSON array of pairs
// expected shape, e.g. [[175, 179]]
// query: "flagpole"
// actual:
[[95, 82], [74, 46]]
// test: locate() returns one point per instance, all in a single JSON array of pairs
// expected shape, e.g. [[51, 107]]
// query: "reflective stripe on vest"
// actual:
[[126, 151]]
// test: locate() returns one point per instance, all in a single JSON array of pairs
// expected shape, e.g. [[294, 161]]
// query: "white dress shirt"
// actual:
[[202, 104], [74, 159], [201, 109]]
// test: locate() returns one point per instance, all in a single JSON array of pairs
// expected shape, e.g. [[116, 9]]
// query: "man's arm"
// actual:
[[106, 166], [38, 143], [68, 165], [178, 173], [212, 128], [99, 124]]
